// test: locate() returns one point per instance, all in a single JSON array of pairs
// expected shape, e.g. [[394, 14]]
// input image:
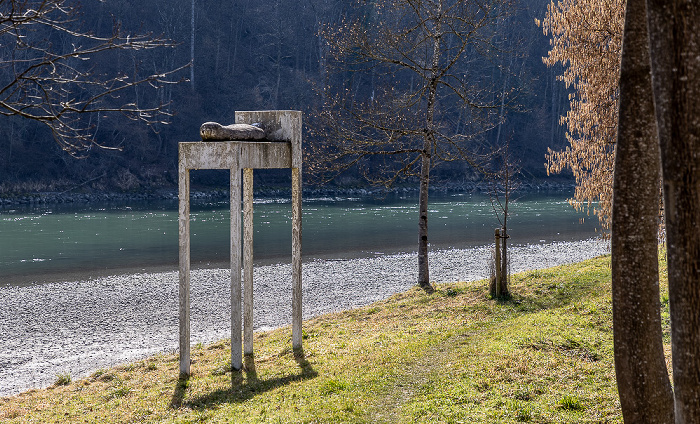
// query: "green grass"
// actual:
[[543, 356], [62, 380]]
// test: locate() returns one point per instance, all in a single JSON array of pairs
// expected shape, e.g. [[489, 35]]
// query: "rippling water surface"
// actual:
[[45, 244]]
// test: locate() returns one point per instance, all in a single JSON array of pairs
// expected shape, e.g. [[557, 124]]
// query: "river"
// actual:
[[59, 242]]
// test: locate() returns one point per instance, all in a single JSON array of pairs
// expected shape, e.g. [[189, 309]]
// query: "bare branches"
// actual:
[[47, 72], [403, 77]]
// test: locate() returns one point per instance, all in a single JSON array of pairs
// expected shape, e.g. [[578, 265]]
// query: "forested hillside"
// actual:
[[247, 55]]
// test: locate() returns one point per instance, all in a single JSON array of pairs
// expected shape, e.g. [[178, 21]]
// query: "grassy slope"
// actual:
[[455, 356]]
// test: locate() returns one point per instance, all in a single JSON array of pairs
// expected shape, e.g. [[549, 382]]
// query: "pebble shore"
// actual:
[[78, 327]]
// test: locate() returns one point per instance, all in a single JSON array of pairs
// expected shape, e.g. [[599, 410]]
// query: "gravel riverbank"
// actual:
[[78, 327]]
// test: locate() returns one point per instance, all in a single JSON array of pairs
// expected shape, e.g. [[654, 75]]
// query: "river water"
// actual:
[[60, 242]]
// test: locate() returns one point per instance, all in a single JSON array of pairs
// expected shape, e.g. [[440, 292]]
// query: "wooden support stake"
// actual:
[[248, 261], [498, 261]]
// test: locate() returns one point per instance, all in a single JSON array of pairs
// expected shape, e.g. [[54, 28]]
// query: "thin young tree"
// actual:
[[407, 81], [48, 73], [640, 366], [503, 182]]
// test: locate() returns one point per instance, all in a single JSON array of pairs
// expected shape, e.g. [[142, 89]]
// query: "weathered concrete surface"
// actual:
[[236, 261], [184, 266], [296, 259], [281, 150], [248, 261], [213, 131], [238, 154], [279, 125]]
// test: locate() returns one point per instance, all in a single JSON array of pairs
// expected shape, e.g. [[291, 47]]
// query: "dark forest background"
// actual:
[[252, 55]]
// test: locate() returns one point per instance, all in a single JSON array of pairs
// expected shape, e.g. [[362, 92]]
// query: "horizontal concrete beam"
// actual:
[[235, 155]]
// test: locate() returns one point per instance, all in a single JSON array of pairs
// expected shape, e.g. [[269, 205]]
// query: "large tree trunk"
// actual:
[[642, 377], [674, 28]]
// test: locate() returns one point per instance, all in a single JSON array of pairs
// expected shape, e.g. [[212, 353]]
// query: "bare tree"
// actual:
[[640, 366], [48, 75], [503, 183], [405, 86]]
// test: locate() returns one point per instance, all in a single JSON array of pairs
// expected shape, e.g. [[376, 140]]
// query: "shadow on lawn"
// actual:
[[242, 388]]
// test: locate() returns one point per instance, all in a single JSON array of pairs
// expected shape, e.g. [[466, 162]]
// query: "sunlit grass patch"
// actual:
[[544, 356]]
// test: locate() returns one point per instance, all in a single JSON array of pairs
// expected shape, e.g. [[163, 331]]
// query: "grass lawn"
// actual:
[[544, 356]]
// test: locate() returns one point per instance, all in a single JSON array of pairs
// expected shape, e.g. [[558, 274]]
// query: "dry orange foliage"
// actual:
[[587, 41]]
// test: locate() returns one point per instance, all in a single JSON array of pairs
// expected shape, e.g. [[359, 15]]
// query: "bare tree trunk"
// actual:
[[674, 28], [423, 268], [428, 143], [501, 112], [278, 59], [192, 48], [504, 263], [640, 367]]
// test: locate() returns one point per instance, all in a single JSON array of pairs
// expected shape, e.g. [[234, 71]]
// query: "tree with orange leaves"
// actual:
[[587, 41]]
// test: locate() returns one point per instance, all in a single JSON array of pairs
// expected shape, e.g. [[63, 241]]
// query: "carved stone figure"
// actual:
[[212, 131]]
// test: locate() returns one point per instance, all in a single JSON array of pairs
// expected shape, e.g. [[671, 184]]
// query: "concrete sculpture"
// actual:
[[279, 148]]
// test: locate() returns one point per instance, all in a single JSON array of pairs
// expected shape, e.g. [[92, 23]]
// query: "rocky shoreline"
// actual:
[[77, 327], [69, 197]]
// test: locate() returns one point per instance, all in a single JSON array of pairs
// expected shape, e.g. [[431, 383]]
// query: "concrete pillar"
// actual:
[[235, 191], [248, 261], [281, 148], [184, 266], [296, 259]]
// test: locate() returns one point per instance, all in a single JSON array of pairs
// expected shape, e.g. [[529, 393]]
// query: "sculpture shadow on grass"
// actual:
[[245, 384]]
